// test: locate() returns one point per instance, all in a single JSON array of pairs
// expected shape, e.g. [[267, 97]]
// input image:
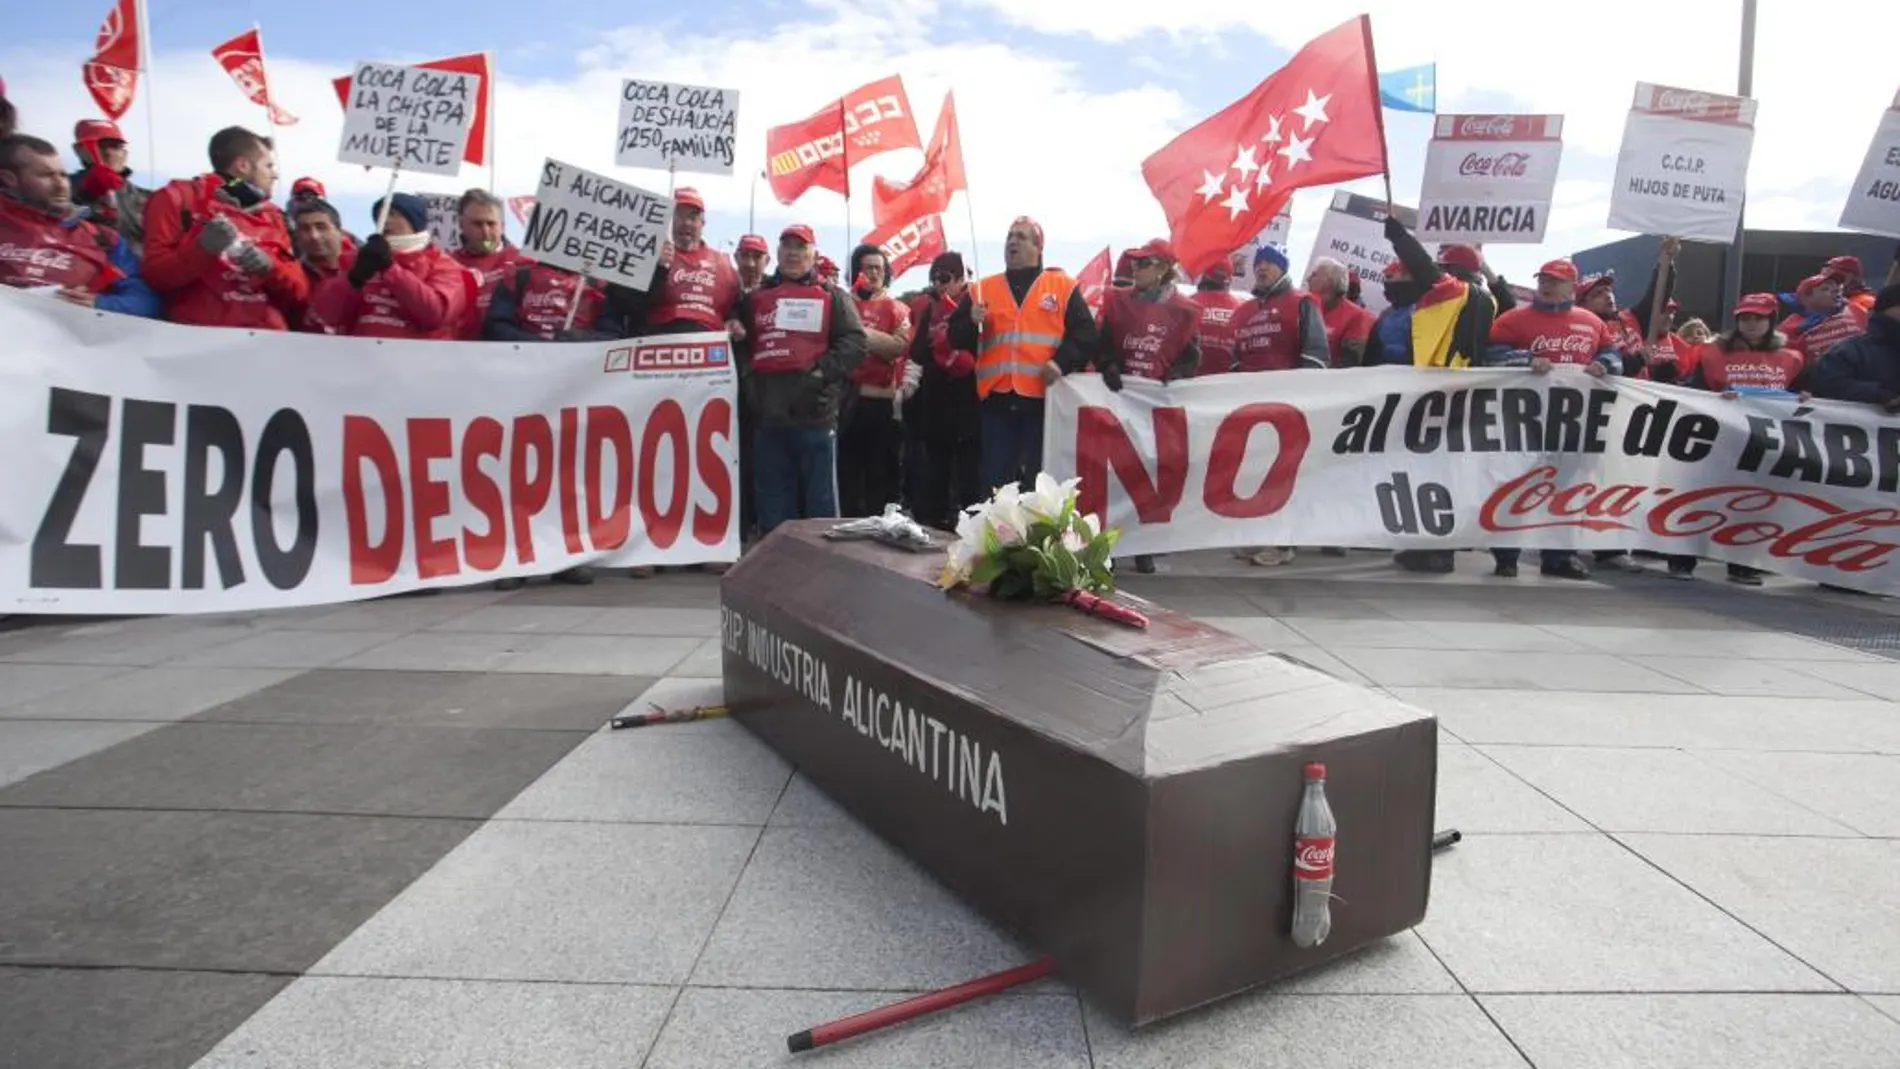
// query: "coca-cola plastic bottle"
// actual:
[[1313, 836]]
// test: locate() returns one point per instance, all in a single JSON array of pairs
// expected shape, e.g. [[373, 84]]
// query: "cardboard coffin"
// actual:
[[1121, 800]]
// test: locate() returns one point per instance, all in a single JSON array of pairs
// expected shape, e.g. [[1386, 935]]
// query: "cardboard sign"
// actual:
[[1353, 232], [445, 219], [1489, 178], [596, 226], [1683, 169], [1873, 204], [411, 118], [676, 127]]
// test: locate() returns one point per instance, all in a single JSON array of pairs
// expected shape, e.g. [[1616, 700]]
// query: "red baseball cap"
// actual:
[[1156, 248], [1809, 284], [306, 185], [1462, 257], [800, 232], [1757, 304], [754, 243], [96, 130], [1562, 270], [688, 197], [1843, 267]]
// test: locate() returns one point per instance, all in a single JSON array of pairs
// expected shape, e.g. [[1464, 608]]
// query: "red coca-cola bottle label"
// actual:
[[1313, 858]]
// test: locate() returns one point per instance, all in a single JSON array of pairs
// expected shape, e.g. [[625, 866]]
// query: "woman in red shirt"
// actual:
[[1753, 358]]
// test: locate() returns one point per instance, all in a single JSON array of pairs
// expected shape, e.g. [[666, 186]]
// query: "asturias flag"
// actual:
[[1411, 89]]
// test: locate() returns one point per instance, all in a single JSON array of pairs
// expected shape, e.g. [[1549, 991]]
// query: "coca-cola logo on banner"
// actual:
[[1499, 165], [1491, 127]]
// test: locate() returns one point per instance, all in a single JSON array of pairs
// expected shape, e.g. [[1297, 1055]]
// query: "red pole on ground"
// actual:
[[917, 1006]]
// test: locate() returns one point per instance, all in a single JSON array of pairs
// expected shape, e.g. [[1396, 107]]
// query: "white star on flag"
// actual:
[[1314, 110], [1265, 177], [1296, 150], [1273, 131], [1244, 163], [1236, 204], [1211, 184]]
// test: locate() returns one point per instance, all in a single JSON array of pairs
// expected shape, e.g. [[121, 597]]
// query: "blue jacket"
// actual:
[[1864, 369], [130, 295]]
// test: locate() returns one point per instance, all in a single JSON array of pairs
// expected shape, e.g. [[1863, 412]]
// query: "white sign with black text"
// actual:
[[1873, 203], [411, 119], [595, 226], [1683, 169], [1353, 232], [1489, 178], [671, 127]]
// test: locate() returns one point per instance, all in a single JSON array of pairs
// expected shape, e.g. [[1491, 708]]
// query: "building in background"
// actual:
[[1773, 261]]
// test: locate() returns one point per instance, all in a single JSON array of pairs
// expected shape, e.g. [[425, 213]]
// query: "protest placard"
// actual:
[[1683, 168], [1873, 202], [672, 127], [596, 226], [411, 119], [445, 224], [1489, 178], [1353, 232]]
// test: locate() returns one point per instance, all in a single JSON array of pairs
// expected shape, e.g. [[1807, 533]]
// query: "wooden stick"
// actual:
[[573, 306], [389, 195], [899, 1012]]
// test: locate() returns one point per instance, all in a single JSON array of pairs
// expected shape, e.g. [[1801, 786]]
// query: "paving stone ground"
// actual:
[[395, 834]]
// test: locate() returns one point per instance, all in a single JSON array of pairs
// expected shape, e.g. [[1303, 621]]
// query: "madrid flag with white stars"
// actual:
[[1313, 122]]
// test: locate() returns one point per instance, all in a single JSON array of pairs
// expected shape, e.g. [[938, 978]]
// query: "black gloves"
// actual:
[[1112, 378], [371, 260]]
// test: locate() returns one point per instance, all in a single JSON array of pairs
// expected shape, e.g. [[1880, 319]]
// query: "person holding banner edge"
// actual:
[[100, 269], [801, 341]]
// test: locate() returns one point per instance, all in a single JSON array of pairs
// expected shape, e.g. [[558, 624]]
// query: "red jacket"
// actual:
[[208, 291], [489, 269], [424, 294]]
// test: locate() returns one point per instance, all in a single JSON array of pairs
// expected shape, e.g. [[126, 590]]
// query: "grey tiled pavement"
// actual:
[[395, 833]]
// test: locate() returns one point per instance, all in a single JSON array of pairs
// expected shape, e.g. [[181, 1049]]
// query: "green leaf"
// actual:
[[1041, 532], [986, 570], [1082, 528], [1067, 515], [1024, 558], [1064, 569], [1010, 586]]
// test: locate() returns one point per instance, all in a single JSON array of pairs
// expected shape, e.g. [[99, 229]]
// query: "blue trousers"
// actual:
[[794, 474], [1011, 429]]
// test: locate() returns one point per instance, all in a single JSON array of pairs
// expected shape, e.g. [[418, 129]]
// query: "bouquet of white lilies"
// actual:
[[1037, 546]]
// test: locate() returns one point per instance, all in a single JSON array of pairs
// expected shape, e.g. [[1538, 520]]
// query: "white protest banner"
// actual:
[[1353, 232], [1489, 178], [157, 468], [676, 127], [445, 221], [412, 119], [1683, 168], [593, 225], [1873, 203], [1405, 458]]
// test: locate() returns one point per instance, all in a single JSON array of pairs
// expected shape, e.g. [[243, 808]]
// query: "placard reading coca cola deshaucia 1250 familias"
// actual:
[[1683, 169], [1488, 178]]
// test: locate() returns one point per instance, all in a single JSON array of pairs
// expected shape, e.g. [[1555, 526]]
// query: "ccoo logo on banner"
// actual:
[[166, 469], [1403, 458]]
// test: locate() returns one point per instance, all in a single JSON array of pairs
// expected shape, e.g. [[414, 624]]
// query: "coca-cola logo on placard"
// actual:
[[1313, 858], [1499, 165], [1684, 102], [1488, 126]]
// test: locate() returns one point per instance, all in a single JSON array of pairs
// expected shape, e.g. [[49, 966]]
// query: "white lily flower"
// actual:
[[1049, 497]]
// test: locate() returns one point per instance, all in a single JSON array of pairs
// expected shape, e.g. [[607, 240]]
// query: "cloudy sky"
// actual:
[[1059, 100]]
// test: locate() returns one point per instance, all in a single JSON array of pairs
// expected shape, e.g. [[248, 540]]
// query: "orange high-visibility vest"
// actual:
[[1017, 341]]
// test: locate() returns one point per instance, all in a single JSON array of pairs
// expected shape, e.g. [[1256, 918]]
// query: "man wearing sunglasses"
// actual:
[[102, 187]]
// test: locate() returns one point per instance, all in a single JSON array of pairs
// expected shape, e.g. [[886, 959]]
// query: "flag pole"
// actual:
[[969, 212], [1378, 106], [145, 60]]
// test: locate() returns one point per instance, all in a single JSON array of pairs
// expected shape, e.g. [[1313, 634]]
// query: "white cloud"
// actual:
[[1039, 140]]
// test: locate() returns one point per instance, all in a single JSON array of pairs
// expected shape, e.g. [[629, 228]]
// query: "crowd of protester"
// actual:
[[853, 397]]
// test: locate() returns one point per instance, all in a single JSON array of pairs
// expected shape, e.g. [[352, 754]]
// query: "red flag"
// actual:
[[112, 74], [941, 175], [910, 244], [820, 150], [242, 57], [1313, 122], [1092, 280], [522, 207], [475, 63]]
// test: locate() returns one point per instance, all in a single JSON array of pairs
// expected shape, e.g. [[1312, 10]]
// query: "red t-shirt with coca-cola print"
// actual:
[[1568, 336]]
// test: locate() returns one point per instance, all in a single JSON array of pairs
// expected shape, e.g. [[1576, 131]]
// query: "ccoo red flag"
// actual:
[[112, 74], [910, 244], [242, 57], [929, 191], [1313, 122], [819, 151], [1092, 280], [475, 63]]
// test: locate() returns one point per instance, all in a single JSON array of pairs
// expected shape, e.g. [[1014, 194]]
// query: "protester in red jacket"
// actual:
[[1826, 318], [1347, 325], [217, 250], [871, 438], [485, 251], [1281, 328], [46, 245], [317, 230], [400, 286], [1214, 295]]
